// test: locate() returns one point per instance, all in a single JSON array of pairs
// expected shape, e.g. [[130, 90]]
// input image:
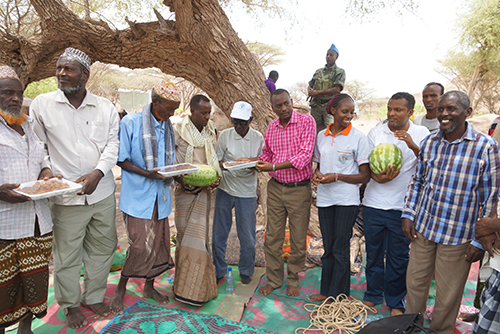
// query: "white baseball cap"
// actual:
[[242, 110]]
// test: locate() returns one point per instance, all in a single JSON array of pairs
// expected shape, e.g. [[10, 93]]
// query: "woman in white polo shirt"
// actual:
[[341, 152]]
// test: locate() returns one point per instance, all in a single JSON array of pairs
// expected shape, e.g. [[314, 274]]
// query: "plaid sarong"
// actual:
[[24, 277], [488, 320]]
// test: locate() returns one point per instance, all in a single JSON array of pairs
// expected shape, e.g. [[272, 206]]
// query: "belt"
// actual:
[[321, 101], [294, 184]]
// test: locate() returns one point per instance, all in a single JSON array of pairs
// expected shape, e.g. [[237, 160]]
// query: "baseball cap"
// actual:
[[242, 110]]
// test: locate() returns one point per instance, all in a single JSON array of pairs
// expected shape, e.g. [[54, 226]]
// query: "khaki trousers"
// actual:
[[83, 234], [451, 271], [294, 203]]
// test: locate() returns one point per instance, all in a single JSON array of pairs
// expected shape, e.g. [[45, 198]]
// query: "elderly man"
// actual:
[[287, 156], [146, 143], [456, 181], [80, 131], [383, 202], [430, 96], [238, 190], [324, 85], [195, 140], [25, 225]]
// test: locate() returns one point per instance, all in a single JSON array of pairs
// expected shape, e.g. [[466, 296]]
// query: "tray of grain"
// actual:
[[179, 169], [40, 189], [235, 165]]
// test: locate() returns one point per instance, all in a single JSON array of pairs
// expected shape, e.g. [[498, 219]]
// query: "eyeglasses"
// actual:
[[239, 122]]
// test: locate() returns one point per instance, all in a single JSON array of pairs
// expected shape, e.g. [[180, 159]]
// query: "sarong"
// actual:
[[149, 253], [195, 281], [24, 277]]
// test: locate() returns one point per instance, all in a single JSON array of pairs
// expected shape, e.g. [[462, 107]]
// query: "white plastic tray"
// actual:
[[73, 188], [164, 170], [241, 165]]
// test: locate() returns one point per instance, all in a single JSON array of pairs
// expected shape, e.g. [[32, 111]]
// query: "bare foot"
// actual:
[[292, 291], [75, 318], [370, 305], [151, 292], [468, 317], [116, 304], [317, 298], [396, 311], [266, 289], [100, 308]]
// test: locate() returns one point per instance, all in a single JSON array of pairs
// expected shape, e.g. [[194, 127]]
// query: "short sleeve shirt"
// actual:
[[243, 182], [391, 195], [326, 78], [342, 153]]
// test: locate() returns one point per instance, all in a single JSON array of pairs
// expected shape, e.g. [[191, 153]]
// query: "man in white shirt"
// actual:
[[383, 204], [238, 190], [430, 97], [80, 131]]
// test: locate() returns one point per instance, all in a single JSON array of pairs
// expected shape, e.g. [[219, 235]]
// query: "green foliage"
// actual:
[[363, 9], [419, 109], [267, 54], [40, 87]]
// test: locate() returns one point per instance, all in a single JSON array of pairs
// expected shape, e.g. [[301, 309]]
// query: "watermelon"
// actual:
[[203, 177], [384, 155]]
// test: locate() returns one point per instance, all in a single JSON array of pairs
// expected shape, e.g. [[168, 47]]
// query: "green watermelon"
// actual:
[[203, 177], [384, 155]]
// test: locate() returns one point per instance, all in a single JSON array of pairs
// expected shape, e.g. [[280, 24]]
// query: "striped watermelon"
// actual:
[[384, 155], [203, 177]]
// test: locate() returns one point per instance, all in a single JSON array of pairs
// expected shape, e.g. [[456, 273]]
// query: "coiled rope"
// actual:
[[337, 314]]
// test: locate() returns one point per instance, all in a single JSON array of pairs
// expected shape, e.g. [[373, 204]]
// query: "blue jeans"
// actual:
[[384, 236], [336, 224], [245, 224]]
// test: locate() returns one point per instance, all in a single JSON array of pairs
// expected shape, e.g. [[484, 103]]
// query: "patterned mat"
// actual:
[[149, 319]]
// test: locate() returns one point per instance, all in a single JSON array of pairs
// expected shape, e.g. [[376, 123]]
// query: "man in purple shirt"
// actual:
[[270, 82]]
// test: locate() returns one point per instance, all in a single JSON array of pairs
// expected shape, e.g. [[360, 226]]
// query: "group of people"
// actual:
[[448, 179]]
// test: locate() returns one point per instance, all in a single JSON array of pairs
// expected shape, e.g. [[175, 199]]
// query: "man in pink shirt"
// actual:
[[287, 156]]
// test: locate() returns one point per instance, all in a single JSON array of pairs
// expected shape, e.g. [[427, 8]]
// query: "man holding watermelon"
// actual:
[[456, 181], [392, 164], [195, 140], [287, 156]]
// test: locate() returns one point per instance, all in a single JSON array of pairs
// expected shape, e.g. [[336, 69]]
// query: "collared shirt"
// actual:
[[340, 153], [78, 140], [326, 78], [293, 143], [21, 160], [431, 124], [242, 182], [138, 193], [390, 195], [453, 181], [271, 86]]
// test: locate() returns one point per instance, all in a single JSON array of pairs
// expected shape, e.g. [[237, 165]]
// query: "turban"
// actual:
[[168, 90], [7, 72], [334, 48], [78, 55]]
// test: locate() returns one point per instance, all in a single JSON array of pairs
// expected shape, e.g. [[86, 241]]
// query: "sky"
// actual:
[[390, 53]]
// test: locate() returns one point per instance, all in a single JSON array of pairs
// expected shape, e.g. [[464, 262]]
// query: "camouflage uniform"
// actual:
[[324, 78]]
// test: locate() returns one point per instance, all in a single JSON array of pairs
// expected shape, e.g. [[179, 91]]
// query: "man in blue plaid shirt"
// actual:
[[457, 180]]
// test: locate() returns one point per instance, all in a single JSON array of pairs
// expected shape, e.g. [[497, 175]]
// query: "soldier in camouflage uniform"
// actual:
[[325, 84]]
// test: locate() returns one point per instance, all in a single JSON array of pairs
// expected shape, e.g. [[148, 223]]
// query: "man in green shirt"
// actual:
[[325, 84]]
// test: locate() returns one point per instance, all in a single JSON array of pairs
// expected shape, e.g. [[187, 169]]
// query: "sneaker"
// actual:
[[245, 279]]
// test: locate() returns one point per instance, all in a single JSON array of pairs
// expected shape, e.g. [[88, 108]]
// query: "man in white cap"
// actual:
[[238, 190], [147, 141], [80, 131], [25, 225]]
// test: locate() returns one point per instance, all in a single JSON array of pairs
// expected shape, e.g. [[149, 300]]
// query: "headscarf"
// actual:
[[78, 55]]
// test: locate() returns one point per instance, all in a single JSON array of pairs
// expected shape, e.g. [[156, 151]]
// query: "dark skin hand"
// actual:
[[408, 229], [264, 166], [150, 174], [489, 242], [487, 226], [404, 136], [8, 195], [90, 181], [362, 177], [474, 254], [386, 175]]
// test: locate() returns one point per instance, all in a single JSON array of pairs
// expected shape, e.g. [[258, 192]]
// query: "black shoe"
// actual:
[[245, 279]]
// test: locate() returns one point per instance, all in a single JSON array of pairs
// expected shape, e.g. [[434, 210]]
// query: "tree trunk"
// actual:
[[478, 74], [200, 46]]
